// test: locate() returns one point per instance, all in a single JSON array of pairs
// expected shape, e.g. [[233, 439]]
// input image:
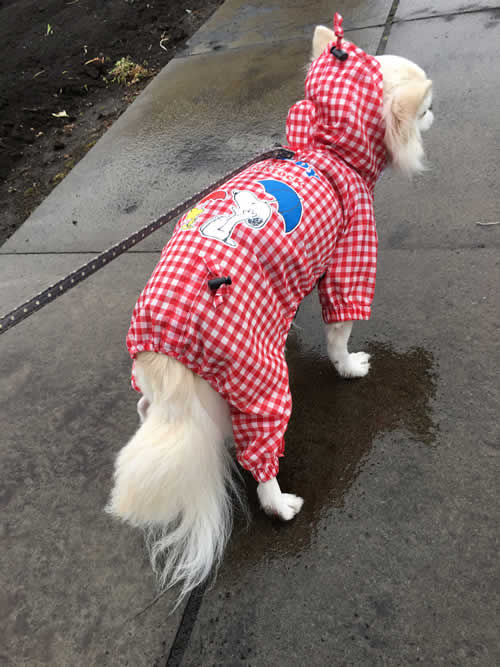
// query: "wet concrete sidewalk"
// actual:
[[394, 558]]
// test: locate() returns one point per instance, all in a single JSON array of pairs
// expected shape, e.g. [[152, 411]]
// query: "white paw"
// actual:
[[282, 505], [290, 506], [355, 365]]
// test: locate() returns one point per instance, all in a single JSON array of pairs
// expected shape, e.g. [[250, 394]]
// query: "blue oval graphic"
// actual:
[[289, 204]]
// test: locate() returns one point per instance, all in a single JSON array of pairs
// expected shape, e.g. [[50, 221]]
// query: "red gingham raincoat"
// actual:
[[277, 230]]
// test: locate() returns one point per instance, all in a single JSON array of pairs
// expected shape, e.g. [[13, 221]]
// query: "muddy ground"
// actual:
[[57, 93]]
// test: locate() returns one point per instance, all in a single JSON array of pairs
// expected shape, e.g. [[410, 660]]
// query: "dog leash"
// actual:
[[62, 286]]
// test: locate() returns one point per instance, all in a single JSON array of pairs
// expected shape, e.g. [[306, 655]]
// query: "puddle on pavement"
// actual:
[[333, 427]]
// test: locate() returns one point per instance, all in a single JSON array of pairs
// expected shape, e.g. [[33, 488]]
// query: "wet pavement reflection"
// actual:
[[334, 425]]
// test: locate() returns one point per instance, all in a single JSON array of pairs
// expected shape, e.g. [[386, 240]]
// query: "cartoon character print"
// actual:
[[192, 215], [248, 209], [190, 219]]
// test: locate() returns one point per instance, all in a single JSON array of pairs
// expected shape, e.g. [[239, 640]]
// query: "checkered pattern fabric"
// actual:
[[277, 229], [341, 116]]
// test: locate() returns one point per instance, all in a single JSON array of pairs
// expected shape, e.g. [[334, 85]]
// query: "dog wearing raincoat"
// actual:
[[208, 332]]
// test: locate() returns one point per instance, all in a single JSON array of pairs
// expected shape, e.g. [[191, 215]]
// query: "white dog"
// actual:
[[300, 219]]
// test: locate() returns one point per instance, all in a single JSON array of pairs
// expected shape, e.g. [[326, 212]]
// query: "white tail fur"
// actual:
[[176, 476]]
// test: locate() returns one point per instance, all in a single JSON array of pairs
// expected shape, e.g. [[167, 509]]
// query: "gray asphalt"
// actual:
[[394, 558]]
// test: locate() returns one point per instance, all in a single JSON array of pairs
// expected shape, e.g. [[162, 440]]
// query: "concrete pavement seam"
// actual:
[[185, 628], [387, 28], [462, 12], [70, 252], [224, 49]]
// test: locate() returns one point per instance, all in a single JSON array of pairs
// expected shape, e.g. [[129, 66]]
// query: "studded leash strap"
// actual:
[[53, 291]]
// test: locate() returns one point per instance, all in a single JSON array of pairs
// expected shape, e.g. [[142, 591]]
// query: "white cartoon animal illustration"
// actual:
[[248, 209]]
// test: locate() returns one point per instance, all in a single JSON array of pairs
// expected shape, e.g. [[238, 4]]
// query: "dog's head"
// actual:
[[407, 111], [407, 108]]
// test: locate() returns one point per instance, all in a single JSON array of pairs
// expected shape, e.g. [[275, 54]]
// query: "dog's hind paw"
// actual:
[[355, 365]]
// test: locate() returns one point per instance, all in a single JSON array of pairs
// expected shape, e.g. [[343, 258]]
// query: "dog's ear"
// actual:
[[406, 102], [402, 135], [321, 38]]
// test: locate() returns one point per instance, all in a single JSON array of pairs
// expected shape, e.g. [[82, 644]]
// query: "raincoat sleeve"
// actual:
[[347, 288], [259, 432]]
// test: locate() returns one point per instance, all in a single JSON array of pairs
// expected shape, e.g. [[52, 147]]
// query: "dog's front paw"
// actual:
[[289, 506], [284, 506], [355, 365]]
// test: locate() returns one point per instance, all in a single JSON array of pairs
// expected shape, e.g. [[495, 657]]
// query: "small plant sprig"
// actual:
[[126, 72]]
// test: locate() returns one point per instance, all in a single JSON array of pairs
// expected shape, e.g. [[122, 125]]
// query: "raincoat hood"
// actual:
[[342, 112]]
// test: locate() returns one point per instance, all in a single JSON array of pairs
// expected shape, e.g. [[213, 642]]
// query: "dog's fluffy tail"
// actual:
[[176, 476]]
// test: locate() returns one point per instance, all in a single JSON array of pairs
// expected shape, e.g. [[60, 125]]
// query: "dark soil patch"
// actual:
[[56, 57]]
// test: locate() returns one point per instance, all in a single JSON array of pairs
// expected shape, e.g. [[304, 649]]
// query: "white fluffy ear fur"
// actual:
[[407, 111], [402, 135], [321, 38]]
